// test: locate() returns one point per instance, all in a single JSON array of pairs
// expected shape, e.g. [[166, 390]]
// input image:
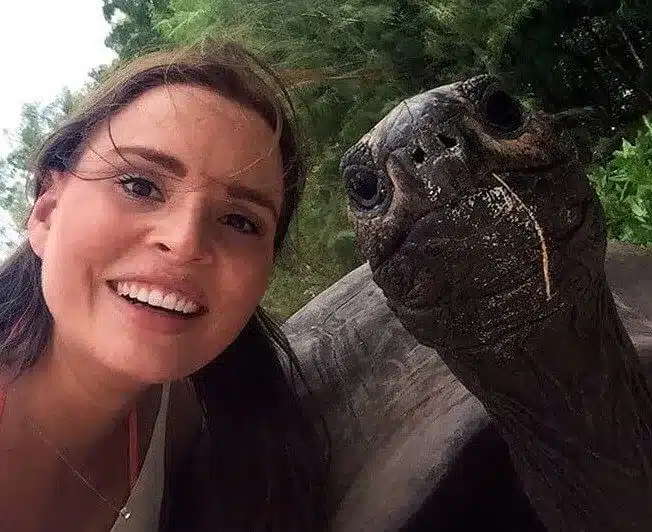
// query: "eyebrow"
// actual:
[[169, 162], [254, 196], [176, 166]]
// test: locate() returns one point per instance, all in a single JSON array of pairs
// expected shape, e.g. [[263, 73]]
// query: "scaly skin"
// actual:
[[483, 232]]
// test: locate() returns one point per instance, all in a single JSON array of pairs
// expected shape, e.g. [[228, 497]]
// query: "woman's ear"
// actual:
[[39, 221]]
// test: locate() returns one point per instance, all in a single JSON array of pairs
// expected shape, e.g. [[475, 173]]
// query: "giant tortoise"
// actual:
[[475, 374]]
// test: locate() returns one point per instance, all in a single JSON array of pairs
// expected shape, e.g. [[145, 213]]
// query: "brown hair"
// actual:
[[265, 452]]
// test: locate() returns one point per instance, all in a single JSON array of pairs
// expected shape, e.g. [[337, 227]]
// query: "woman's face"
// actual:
[[181, 215]]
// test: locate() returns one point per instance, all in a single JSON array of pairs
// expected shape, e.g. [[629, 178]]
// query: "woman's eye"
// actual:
[[240, 223], [140, 187]]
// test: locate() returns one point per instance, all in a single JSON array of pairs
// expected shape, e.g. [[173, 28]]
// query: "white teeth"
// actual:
[[133, 291], [190, 307], [169, 301], [143, 295], [157, 297]]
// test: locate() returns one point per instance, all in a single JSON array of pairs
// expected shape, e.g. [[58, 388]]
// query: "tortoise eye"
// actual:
[[502, 111], [366, 189]]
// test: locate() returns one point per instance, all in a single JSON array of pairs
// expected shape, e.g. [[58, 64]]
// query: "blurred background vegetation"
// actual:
[[351, 61]]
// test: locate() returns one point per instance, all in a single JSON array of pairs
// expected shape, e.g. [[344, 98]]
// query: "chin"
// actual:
[[148, 364]]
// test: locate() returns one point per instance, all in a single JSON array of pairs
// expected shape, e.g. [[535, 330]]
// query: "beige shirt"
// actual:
[[144, 503]]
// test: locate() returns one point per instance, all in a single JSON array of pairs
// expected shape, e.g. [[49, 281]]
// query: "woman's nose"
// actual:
[[182, 234]]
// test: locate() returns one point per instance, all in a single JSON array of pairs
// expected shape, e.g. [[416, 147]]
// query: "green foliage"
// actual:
[[36, 122], [573, 53], [624, 186], [133, 25], [479, 30]]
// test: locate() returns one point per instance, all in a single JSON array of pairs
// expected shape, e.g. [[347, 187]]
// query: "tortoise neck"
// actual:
[[575, 409]]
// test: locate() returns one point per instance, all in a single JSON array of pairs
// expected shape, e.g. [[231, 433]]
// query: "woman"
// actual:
[[144, 387]]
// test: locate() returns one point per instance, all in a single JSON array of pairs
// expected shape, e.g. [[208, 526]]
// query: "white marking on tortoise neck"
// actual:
[[537, 227], [432, 190]]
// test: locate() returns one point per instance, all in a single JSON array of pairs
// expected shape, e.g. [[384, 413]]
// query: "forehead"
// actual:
[[211, 134]]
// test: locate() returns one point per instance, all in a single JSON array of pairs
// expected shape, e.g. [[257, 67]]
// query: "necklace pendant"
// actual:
[[125, 513]]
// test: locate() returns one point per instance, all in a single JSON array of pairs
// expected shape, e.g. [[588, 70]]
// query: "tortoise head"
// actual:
[[474, 214]]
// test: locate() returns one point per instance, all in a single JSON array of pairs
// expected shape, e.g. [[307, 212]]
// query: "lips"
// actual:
[[157, 298], [146, 319]]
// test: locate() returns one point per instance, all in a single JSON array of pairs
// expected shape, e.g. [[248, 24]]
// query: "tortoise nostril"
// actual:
[[418, 155], [447, 141]]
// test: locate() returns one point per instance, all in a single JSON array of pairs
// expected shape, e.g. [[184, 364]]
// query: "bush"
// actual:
[[624, 185], [321, 245]]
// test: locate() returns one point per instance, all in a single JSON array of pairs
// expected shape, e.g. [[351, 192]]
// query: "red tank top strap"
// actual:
[[3, 399]]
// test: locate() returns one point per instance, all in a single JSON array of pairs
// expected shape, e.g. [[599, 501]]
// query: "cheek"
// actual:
[[84, 238], [239, 285], [94, 229], [244, 278]]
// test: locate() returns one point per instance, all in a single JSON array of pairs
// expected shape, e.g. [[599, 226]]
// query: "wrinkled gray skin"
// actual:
[[459, 259]]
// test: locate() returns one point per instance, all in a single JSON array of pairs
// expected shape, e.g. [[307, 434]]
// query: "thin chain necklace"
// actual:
[[132, 459]]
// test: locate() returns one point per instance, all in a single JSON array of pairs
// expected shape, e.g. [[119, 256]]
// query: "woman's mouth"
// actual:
[[148, 300]]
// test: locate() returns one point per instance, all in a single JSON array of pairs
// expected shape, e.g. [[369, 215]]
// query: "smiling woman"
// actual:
[[143, 386]]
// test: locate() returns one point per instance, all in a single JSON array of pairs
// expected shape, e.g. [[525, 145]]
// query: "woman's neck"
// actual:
[[76, 405], [575, 409], [67, 448]]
